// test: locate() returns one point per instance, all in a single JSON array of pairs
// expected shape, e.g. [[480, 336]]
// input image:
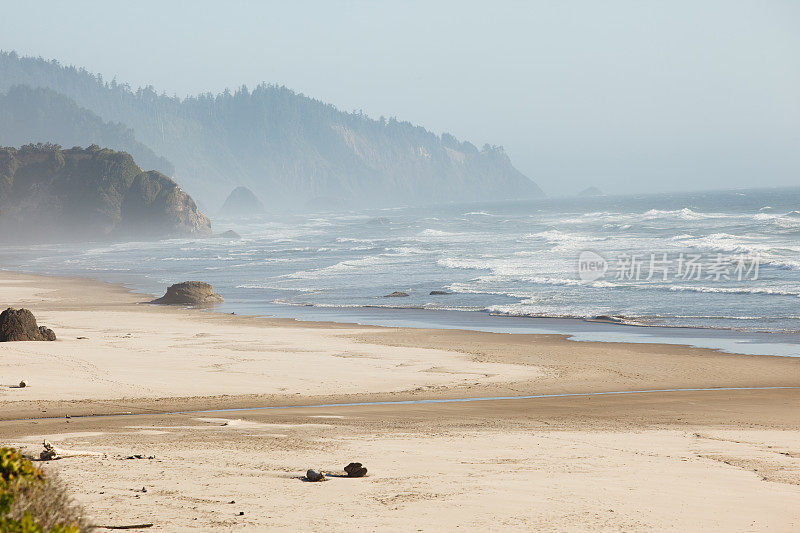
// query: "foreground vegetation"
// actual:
[[32, 502]]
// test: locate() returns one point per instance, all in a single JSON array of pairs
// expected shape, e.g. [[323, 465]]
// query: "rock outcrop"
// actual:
[[189, 293], [48, 194], [241, 202], [397, 294], [438, 293], [20, 325]]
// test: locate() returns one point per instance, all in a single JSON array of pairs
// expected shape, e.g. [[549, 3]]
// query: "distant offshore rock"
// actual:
[[230, 234], [591, 191], [397, 294], [241, 202], [439, 293], [20, 325], [190, 293], [48, 194]]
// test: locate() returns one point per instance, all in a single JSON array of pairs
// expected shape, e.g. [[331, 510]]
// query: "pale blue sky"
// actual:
[[627, 95]]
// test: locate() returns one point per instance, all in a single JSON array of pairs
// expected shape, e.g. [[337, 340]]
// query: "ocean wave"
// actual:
[[347, 265], [466, 264], [272, 286], [747, 246], [354, 240], [734, 290], [682, 214], [434, 233], [563, 241], [407, 251]]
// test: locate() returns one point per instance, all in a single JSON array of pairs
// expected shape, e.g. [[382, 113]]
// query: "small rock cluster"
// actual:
[[352, 470]]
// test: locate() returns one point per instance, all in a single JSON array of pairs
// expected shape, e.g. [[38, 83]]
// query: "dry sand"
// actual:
[[651, 461]]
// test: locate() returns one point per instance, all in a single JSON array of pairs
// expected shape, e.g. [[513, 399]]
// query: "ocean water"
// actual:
[[517, 259]]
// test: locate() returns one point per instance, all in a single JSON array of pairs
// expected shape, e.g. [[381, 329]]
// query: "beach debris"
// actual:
[[355, 470], [23, 384], [241, 513], [140, 456], [82, 338], [49, 453], [315, 475], [20, 325], [397, 294], [189, 293]]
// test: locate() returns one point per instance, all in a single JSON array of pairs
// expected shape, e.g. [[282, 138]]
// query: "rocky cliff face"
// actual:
[[49, 195]]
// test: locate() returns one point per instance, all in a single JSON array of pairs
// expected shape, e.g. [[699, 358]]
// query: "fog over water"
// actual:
[[625, 95]]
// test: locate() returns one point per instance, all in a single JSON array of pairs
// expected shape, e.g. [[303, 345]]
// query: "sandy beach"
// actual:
[[675, 459]]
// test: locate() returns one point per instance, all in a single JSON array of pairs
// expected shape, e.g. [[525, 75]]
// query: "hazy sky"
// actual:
[[626, 95]]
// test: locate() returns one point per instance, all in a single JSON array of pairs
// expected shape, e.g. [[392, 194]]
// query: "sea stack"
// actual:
[[241, 202], [190, 293]]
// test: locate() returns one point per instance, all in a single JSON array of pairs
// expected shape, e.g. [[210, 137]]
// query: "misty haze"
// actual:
[[400, 266]]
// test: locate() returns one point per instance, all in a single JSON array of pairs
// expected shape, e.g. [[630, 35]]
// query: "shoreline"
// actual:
[[576, 329], [467, 363]]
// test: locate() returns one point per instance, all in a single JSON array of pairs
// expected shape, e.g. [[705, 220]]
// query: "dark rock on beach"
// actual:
[[315, 475], [20, 325], [355, 470], [189, 293], [397, 294]]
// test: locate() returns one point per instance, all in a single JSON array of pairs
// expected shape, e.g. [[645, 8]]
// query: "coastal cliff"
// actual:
[[48, 194], [287, 148]]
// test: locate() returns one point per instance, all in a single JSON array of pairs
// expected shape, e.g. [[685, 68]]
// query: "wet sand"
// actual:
[[684, 460]]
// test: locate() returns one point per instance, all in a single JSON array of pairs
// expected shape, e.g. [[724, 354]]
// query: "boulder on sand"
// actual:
[[189, 293], [355, 470], [20, 325], [315, 475]]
